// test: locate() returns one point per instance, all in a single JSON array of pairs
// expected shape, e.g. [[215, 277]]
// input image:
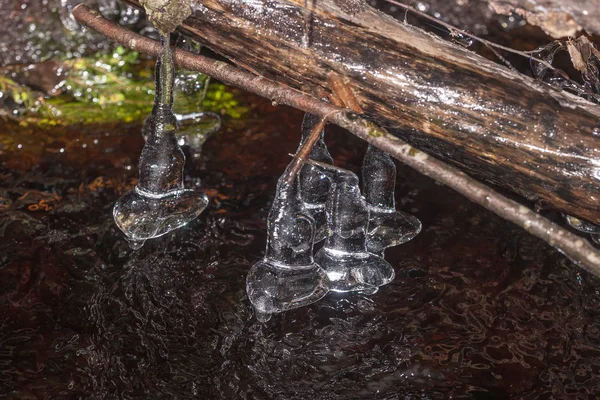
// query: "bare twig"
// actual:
[[576, 248], [302, 154]]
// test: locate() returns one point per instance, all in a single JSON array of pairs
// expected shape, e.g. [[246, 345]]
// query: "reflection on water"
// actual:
[[478, 309]]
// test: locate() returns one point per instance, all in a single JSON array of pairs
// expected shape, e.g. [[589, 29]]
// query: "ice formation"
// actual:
[[314, 184], [159, 203], [287, 277], [345, 258], [387, 227], [194, 126]]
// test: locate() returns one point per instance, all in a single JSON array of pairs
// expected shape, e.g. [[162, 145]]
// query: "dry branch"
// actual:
[[571, 245]]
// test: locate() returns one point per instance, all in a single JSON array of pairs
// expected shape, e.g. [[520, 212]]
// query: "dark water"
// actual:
[[479, 309]]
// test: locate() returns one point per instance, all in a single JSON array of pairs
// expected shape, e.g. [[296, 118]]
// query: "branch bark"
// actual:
[[576, 248], [558, 18]]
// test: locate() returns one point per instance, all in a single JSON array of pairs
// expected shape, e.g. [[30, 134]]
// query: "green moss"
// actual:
[[104, 88], [219, 99], [101, 88], [21, 96], [374, 131]]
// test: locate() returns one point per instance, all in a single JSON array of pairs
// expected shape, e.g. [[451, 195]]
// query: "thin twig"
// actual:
[[302, 154], [576, 248], [499, 56]]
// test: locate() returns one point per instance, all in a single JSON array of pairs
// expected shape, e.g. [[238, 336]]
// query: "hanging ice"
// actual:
[[287, 277], [387, 227], [159, 203], [349, 266], [194, 126], [190, 90], [314, 184]]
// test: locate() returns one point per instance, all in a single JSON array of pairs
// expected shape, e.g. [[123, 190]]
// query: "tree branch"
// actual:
[[576, 248], [499, 126]]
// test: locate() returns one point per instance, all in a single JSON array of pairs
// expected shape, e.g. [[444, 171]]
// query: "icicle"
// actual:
[[159, 203], [194, 126], [314, 184], [349, 266], [387, 227], [287, 277]]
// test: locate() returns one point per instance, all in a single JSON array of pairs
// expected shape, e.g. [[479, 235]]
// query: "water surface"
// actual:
[[479, 309]]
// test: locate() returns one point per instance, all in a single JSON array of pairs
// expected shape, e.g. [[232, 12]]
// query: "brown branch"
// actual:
[[576, 248], [302, 154]]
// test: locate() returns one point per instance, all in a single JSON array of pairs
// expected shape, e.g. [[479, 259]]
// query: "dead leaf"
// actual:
[[576, 56]]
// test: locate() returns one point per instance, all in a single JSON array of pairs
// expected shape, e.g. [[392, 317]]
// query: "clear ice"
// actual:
[[314, 183], [287, 277], [159, 203], [345, 258], [387, 227], [194, 126]]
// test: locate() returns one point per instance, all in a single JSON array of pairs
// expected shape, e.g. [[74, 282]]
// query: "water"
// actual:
[[159, 203], [479, 309]]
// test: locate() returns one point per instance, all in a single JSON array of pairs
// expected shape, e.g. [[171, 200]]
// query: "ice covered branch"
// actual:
[[576, 248]]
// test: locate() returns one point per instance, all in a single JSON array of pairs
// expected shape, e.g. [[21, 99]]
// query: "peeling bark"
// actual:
[[558, 18]]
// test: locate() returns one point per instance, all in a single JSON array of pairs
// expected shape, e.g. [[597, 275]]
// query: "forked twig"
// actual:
[[576, 248]]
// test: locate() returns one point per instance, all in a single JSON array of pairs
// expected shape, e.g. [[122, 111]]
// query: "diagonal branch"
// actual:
[[576, 248], [302, 155]]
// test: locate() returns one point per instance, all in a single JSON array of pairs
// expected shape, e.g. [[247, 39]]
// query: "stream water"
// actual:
[[479, 309]]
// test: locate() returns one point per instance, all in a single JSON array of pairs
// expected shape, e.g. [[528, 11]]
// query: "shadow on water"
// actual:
[[479, 309]]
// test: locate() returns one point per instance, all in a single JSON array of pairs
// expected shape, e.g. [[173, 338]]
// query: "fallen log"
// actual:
[[495, 124], [580, 251]]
